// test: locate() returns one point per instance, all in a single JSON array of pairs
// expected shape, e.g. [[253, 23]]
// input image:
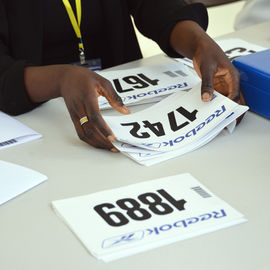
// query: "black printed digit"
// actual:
[[191, 116], [178, 204], [156, 128], [133, 209], [135, 129], [119, 88], [137, 82], [239, 50], [145, 78], [113, 218], [155, 203], [173, 124]]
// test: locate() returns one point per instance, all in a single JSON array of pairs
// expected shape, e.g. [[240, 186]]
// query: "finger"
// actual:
[[235, 96], [233, 86], [95, 118], [207, 80], [230, 80], [239, 119], [241, 102], [114, 99], [207, 88], [89, 134], [94, 136]]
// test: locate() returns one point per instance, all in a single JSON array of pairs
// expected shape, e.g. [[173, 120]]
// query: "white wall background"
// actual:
[[221, 21]]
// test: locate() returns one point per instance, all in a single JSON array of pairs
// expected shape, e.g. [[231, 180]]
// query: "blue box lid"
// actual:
[[255, 69]]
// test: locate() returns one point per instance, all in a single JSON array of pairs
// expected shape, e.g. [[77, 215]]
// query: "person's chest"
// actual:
[[57, 24]]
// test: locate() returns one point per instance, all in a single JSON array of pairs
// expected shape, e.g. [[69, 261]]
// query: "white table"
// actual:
[[235, 167]]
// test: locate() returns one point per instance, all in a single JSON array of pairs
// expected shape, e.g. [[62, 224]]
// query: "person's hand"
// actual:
[[216, 72], [80, 88], [210, 62]]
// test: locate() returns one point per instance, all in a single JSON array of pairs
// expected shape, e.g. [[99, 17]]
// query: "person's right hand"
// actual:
[[80, 88], [210, 62]]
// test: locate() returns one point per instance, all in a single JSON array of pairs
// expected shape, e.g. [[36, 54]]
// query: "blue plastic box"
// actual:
[[255, 81]]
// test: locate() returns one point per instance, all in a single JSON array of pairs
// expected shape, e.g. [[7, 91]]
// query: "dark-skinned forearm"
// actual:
[[42, 83], [187, 36]]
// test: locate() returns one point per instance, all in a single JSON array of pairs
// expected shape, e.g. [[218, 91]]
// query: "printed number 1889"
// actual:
[[133, 208]]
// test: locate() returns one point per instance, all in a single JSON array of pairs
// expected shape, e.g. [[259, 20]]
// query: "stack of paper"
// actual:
[[149, 84], [176, 125], [128, 220], [14, 132], [15, 179]]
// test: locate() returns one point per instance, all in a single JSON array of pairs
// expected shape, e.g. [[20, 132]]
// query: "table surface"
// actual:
[[235, 167]]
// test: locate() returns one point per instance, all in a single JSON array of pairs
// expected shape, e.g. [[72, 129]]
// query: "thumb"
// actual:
[[207, 89], [206, 74]]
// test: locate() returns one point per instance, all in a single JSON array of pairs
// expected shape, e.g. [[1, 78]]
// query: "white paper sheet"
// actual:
[[147, 84], [120, 222], [233, 48], [176, 125], [13, 132], [15, 179]]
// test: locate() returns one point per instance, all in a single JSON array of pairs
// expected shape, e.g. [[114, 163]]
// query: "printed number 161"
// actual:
[[138, 82]]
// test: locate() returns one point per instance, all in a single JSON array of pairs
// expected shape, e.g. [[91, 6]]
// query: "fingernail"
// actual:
[[111, 138], [114, 150], [126, 109], [205, 96]]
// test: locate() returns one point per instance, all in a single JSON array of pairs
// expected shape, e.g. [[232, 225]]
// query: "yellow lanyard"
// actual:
[[76, 23]]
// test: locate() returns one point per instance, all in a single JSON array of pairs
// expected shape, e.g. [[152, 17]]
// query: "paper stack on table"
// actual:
[[120, 222], [176, 125], [13, 132], [15, 179], [149, 84]]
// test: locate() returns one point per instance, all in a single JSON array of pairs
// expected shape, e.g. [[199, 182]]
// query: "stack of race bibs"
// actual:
[[175, 126], [149, 83], [120, 222]]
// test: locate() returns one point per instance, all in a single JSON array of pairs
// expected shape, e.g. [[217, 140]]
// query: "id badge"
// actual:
[[93, 64]]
